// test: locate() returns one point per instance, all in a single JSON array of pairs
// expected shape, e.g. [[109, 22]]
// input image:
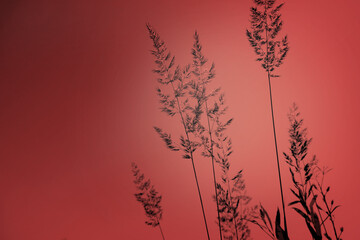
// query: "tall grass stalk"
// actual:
[[302, 169], [203, 77], [149, 198], [305, 174], [226, 197], [230, 196], [175, 102], [266, 24]]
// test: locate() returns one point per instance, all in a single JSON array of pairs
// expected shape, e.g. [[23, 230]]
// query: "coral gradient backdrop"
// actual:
[[78, 103]]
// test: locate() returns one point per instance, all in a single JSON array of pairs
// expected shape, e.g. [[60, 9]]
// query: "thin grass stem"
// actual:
[[192, 162]]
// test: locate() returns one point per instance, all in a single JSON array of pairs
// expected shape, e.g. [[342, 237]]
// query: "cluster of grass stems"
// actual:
[[186, 93]]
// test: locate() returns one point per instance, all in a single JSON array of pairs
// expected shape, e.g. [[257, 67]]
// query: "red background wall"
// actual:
[[78, 102]]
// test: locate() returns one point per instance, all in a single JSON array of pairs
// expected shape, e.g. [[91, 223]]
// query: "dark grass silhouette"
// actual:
[[309, 190], [302, 170], [264, 222], [187, 93], [149, 198], [263, 36], [175, 101], [202, 76], [328, 206], [308, 182], [271, 229], [234, 209], [230, 195]]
